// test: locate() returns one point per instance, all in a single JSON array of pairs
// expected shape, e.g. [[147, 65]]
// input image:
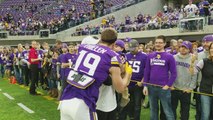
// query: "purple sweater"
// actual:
[[160, 69]]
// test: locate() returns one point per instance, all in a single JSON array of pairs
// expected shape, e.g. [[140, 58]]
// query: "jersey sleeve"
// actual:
[[115, 61]]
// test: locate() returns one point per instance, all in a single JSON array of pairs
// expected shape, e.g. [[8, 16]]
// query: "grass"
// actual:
[[9, 110], [44, 107]]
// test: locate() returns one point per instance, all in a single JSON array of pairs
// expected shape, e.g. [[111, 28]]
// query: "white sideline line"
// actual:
[[25, 108], [8, 96]]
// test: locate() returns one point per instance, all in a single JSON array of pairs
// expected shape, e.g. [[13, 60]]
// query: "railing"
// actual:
[[184, 25]]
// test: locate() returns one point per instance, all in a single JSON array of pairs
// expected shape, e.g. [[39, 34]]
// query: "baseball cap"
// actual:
[[64, 45], [187, 44], [127, 39], [120, 43], [132, 45], [89, 40], [208, 38]]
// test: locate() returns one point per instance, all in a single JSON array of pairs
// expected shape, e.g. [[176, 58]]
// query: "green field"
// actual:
[[44, 107]]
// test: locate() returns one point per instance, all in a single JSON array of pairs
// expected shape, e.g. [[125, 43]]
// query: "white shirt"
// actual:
[[191, 10], [165, 8], [107, 99]]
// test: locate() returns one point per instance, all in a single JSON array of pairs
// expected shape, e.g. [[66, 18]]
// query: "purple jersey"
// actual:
[[54, 64], [137, 62], [169, 50], [40, 55], [19, 55], [200, 49], [1, 58], [61, 58], [93, 61], [9, 62], [25, 55], [69, 58], [160, 69]]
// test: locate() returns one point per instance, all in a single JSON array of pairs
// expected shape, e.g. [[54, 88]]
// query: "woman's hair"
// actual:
[[210, 57]]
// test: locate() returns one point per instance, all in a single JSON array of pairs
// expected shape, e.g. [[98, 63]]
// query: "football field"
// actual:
[[17, 104]]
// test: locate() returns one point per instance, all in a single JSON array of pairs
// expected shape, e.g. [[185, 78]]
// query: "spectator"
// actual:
[[34, 61], [164, 62], [204, 66], [191, 10], [185, 81], [88, 97]]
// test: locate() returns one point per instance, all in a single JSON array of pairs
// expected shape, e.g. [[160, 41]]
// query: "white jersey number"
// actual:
[[135, 66], [90, 61]]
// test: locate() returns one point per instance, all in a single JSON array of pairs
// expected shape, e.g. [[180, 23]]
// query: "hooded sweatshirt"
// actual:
[[184, 79]]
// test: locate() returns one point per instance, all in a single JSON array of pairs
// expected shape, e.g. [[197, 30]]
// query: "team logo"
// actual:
[[158, 56]]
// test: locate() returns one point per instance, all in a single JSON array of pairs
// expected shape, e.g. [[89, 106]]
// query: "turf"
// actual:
[[9, 110], [45, 108]]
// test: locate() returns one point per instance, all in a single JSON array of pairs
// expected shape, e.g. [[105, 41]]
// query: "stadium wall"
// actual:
[[141, 36]]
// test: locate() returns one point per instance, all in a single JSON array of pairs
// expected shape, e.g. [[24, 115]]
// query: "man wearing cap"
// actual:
[[60, 70], [185, 81], [93, 65], [159, 75], [206, 41], [137, 60]]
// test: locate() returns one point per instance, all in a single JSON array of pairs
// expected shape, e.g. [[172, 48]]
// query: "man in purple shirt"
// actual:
[[68, 61], [137, 60], [25, 65], [93, 65], [159, 75]]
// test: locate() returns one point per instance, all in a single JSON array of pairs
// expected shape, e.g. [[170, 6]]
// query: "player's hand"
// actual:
[[139, 84], [28, 65], [188, 91], [145, 91], [166, 87], [40, 59], [128, 68], [191, 69], [58, 76], [194, 58], [172, 88]]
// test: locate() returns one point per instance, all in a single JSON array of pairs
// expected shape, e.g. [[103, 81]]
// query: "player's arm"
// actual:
[[119, 83]]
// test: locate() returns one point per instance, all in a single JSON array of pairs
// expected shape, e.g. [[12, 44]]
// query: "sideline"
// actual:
[[8, 96], [25, 108]]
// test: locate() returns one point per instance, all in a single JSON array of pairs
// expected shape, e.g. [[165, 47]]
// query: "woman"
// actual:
[[206, 85]]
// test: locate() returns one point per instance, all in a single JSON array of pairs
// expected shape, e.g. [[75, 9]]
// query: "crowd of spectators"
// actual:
[[168, 18], [28, 17]]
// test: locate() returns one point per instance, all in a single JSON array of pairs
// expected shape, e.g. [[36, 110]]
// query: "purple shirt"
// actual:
[[94, 61], [40, 55], [61, 58], [69, 58], [54, 64], [1, 58], [25, 55], [137, 62], [169, 50], [160, 69], [9, 62]]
